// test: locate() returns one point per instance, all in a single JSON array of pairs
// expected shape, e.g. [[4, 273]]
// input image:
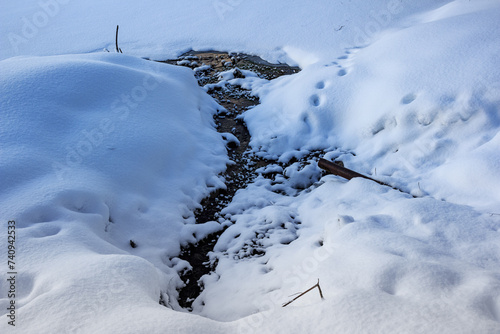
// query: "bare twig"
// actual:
[[319, 289], [303, 293], [116, 40]]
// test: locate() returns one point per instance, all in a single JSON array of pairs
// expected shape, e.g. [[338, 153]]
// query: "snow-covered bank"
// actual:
[[420, 105], [99, 150], [386, 262], [417, 108]]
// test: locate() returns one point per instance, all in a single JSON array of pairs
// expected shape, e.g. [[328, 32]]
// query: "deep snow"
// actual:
[[100, 149], [297, 31]]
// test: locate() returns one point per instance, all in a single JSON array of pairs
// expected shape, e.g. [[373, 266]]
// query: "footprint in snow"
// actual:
[[408, 98], [341, 73], [320, 85], [314, 100], [333, 63]]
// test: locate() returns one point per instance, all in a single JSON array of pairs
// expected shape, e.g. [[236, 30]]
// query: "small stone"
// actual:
[[237, 74]]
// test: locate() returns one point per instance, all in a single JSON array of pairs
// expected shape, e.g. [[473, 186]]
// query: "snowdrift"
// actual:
[[419, 104], [98, 150]]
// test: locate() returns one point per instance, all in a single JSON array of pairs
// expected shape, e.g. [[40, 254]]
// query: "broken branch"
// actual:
[[350, 174], [342, 171], [303, 293]]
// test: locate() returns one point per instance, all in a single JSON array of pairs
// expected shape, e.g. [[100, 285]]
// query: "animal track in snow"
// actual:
[[408, 98], [390, 278], [315, 101], [333, 63], [341, 73], [320, 85]]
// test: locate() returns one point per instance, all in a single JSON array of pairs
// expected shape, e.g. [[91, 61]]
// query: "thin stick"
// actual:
[[320, 292], [303, 293], [116, 40]]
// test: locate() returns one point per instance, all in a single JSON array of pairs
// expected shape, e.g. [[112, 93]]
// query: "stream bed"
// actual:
[[207, 66]]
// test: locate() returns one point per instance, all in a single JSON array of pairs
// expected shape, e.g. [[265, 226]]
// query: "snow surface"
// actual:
[[99, 149], [408, 121], [278, 30]]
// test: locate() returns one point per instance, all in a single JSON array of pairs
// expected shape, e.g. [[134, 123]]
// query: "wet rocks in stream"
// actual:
[[207, 67]]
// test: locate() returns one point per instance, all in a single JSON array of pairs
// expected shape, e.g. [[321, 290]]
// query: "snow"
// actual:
[[401, 119], [101, 151], [284, 31]]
